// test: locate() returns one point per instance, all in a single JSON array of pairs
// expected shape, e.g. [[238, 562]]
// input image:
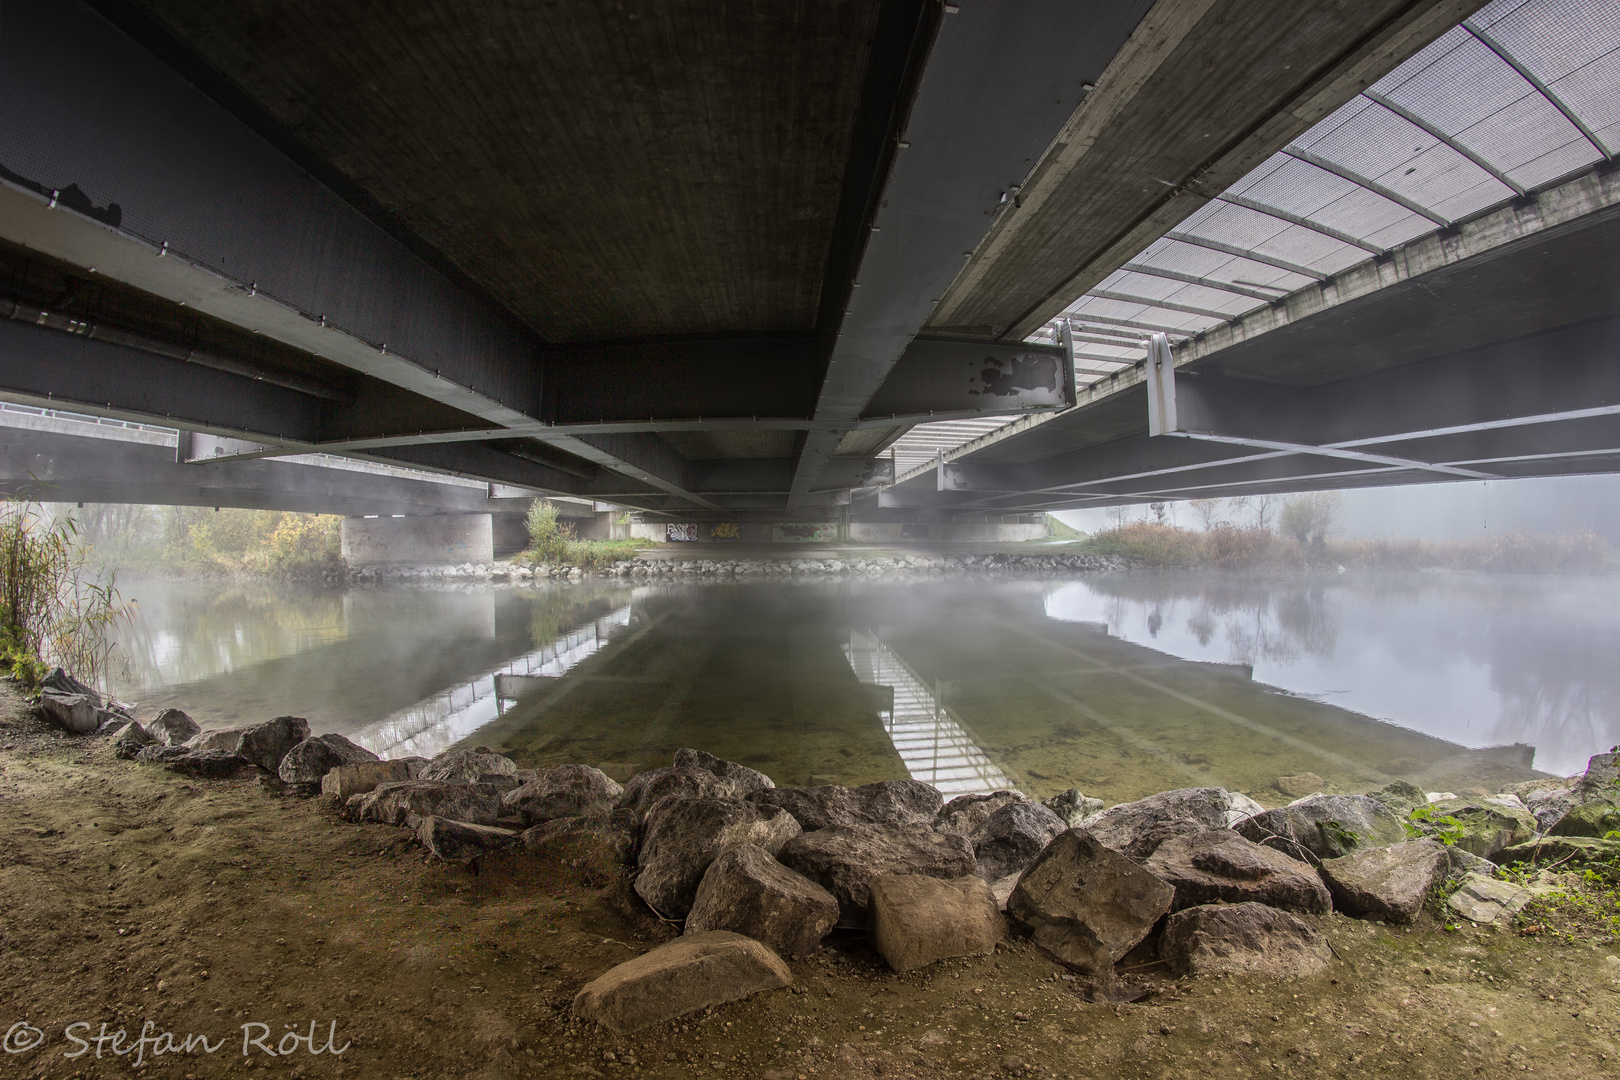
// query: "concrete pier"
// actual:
[[421, 540]]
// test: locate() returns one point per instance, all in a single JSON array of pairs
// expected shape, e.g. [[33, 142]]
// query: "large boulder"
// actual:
[[917, 920], [1549, 805], [1086, 904], [1568, 852], [1009, 839], [267, 744], [462, 841], [965, 813], [685, 835], [308, 763], [887, 802], [1242, 939], [173, 727], [1219, 866], [205, 764], [1482, 825], [58, 680], [843, 859], [643, 790], [743, 780], [1588, 819], [1325, 826], [346, 781], [1602, 777], [1387, 883], [696, 775], [407, 802], [1488, 901], [598, 847], [131, 741], [692, 972], [220, 739], [1074, 808], [745, 890], [77, 714], [563, 791], [476, 766], [1137, 828], [1400, 797]]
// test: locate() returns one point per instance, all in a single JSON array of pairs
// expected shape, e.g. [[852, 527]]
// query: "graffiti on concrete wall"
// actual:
[[680, 532], [726, 530], [822, 533]]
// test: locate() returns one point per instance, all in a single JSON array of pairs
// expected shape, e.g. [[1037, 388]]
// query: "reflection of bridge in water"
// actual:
[[439, 722], [936, 749]]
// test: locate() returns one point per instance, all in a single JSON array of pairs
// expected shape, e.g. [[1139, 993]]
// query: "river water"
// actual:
[[1119, 684]]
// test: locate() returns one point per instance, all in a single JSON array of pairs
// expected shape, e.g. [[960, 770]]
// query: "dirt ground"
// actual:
[[129, 896]]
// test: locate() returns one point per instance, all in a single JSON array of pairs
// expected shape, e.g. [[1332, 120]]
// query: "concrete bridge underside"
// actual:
[[720, 263]]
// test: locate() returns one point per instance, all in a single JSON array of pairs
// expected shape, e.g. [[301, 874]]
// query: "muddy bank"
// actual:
[[132, 894]]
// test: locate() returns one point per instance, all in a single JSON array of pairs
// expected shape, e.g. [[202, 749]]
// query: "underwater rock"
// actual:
[[1087, 904], [1009, 839], [1298, 787], [1219, 866], [843, 859], [692, 972], [1388, 883], [917, 920], [685, 835], [563, 791], [745, 890], [1242, 939]]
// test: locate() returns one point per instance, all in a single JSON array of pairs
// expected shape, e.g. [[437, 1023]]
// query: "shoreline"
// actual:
[[232, 905]]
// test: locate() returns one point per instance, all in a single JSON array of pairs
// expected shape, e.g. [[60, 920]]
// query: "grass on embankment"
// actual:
[[1233, 547]]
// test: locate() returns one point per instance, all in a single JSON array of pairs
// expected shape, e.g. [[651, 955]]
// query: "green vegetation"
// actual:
[[552, 541], [1303, 539], [1058, 530], [54, 610], [1586, 907], [1442, 827], [198, 540]]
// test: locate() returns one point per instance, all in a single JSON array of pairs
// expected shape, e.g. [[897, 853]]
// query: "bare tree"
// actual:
[[1264, 508], [1160, 513], [1308, 517], [1205, 510]]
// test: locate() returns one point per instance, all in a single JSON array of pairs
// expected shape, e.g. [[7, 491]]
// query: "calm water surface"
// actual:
[[1119, 684]]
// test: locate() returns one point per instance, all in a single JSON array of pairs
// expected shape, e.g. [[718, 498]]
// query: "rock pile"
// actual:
[[1207, 877], [851, 565]]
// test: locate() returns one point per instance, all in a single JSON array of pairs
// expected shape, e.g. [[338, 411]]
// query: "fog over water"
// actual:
[[1121, 684]]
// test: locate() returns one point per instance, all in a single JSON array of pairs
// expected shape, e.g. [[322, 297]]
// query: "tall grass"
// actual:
[[552, 541], [53, 609]]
